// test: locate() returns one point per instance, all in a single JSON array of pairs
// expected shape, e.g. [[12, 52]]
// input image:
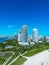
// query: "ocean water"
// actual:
[[3, 39]]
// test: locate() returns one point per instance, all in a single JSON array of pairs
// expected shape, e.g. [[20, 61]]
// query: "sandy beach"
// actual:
[[41, 58]]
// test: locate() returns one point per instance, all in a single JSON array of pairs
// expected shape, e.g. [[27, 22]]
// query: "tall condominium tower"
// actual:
[[24, 34], [35, 35]]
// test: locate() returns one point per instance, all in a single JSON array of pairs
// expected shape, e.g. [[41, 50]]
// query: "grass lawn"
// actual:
[[31, 53], [1, 60], [9, 61], [14, 56], [20, 61]]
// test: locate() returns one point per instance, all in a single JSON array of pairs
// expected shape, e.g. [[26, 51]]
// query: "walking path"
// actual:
[[7, 60], [41, 58], [14, 60], [21, 55]]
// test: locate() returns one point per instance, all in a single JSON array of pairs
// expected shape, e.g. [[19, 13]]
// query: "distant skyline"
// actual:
[[16, 13]]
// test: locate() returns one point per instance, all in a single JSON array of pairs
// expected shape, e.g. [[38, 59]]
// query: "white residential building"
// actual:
[[35, 35]]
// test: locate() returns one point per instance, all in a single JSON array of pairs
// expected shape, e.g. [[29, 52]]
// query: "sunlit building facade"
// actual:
[[24, 34], [35, 35]]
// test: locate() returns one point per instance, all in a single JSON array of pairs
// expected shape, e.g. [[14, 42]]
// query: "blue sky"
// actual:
[[15, 13]]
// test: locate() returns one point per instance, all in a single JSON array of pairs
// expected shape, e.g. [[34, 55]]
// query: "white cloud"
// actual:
[[10, 26]]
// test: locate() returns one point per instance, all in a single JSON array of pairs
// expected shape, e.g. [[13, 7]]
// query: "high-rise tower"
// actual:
[[35, 35], [24, 33]]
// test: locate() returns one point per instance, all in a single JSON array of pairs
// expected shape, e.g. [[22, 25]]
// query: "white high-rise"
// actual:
[[24, 34], [35, 35], [19, 36]]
